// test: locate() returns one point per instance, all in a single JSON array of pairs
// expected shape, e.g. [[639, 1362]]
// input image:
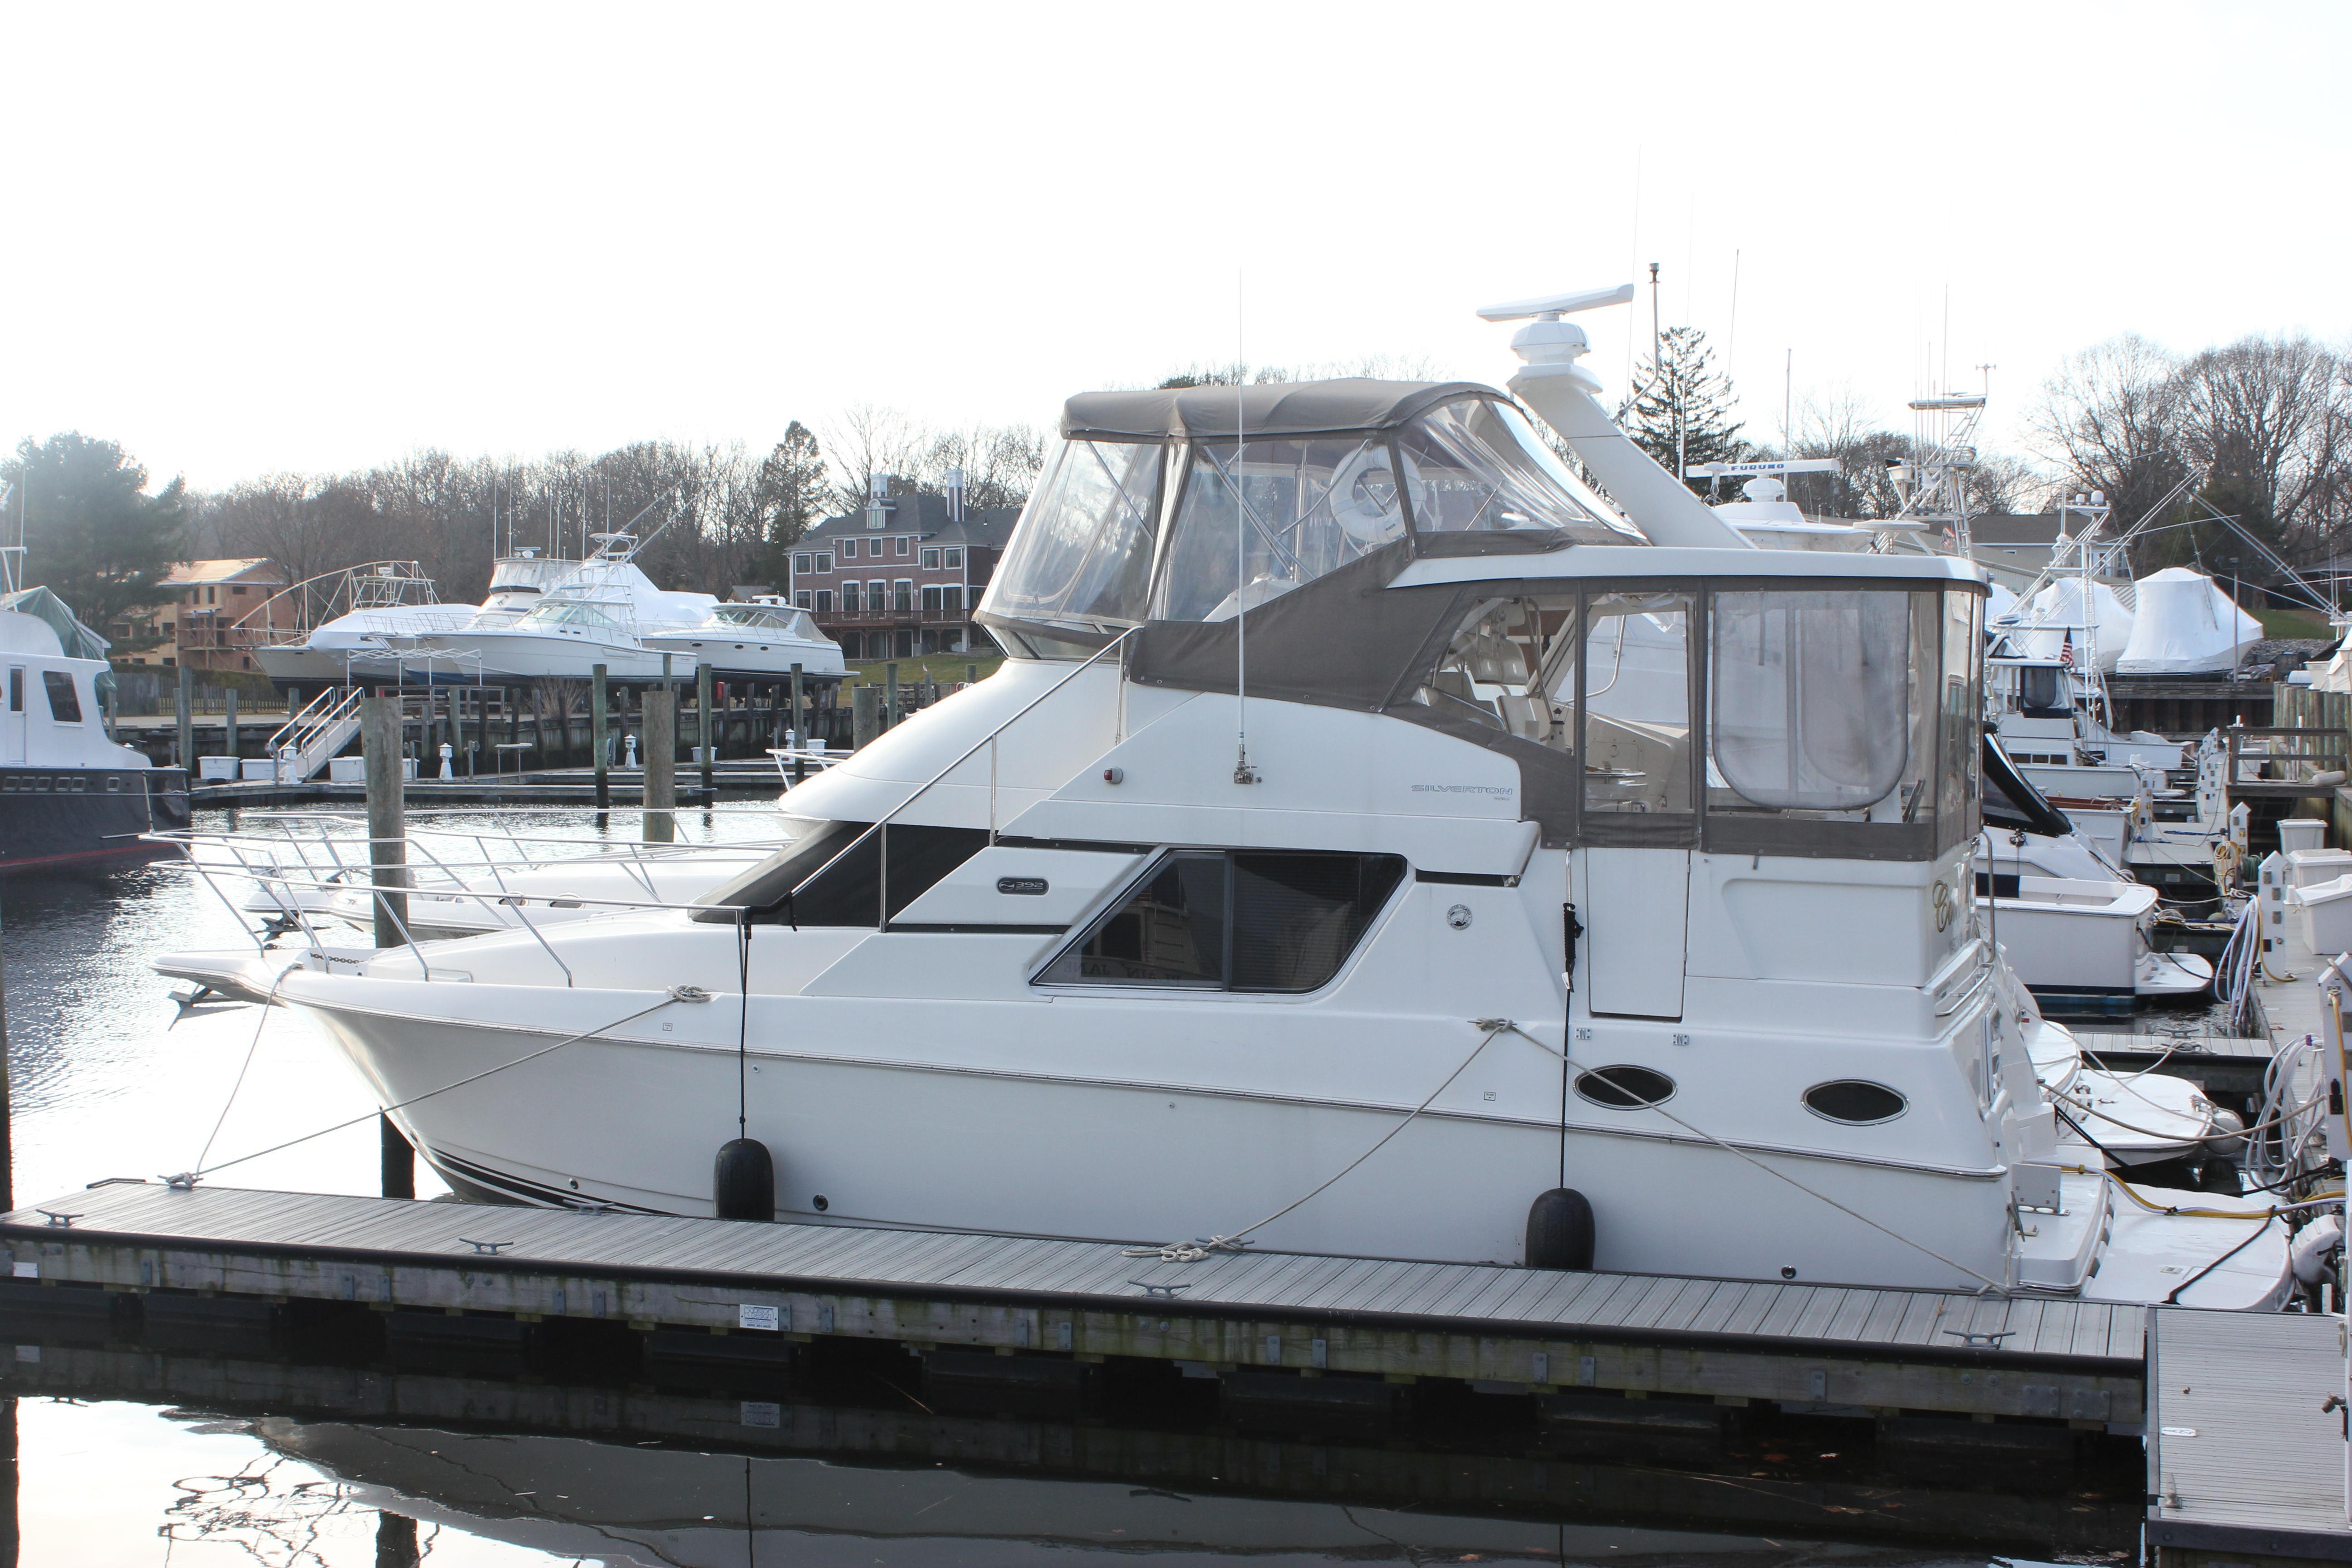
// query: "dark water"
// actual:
[[271, 1444]]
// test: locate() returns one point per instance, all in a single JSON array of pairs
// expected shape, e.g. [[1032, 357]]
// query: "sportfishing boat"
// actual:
[[68, 793], [384, 607], [1313, 875], [600, 613], [763, 638]]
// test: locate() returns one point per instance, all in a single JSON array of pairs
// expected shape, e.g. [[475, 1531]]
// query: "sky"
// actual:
[[243, 239]]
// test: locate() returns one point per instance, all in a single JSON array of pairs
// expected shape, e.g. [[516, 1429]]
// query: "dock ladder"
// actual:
[[323, 728]]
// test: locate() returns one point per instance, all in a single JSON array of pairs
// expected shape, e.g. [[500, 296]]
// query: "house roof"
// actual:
[[231, 569], [925, 517]]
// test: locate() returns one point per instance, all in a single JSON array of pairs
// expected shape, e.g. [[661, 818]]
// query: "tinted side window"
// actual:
[[1171, 931], [1297, 917], [65, 704], [1243, 920]]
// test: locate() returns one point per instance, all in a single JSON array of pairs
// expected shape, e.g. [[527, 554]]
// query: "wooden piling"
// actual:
[[864, 714], [380, 743], [600, 701], [799, 730], [892, 713], [228, 724], [659, 759], [187, 737], [702, 716]]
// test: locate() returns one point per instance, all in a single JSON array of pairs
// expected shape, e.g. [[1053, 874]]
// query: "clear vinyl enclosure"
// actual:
[[1827, 708], [1193, 526]]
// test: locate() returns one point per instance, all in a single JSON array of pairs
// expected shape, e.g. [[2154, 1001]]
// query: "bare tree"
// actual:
[[865, 440], [2270, 421], [2110, 421]]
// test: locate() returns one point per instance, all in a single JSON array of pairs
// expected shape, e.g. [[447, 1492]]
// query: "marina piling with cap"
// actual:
[[380, 743]]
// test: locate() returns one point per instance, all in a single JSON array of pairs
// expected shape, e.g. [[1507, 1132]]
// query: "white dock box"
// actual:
[[2302, 833], [2309, 868], [216, 768], [2327, 917], [260, 769], [347, 770]]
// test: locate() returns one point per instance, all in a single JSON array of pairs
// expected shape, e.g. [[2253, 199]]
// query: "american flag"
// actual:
[[2066, 652]]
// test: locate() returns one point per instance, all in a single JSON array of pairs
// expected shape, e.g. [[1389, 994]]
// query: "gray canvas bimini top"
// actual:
[[1349, 406]]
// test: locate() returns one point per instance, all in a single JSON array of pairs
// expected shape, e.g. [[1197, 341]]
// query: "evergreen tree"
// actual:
[[791, 494], [1680, 407], [95, 538]]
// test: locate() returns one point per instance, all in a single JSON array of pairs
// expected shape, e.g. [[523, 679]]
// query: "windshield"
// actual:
[[1278, 512], [1477, 466], [1082, 551], [571, 612]]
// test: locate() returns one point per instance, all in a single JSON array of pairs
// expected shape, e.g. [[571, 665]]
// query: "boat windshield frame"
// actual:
[[1315, 501]]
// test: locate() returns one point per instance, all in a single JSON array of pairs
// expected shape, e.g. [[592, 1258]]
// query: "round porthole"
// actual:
[[1625, 1088], [1854, 1100]]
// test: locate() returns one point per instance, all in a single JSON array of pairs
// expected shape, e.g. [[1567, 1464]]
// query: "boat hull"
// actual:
[[59, 817], [927, 1142]]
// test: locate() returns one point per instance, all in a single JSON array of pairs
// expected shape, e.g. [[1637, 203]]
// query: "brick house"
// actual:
[[902, 577], [197, 622]]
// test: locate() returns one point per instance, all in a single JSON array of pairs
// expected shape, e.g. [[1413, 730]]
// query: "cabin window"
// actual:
[[1637, 704], [1243, 920], [1083, 550], [65, 703], [815, 883], [1284, 512], [2038, 694], [1957, 801], [16, 689], [1815, 699]]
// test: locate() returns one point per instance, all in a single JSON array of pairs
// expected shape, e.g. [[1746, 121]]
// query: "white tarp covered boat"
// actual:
[[2045, 624], [2184, 624]]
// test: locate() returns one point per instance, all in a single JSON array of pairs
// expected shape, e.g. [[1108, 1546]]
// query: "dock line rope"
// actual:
[[1994, 1286], [1193, 1251], [676, 994], [267, 1004]]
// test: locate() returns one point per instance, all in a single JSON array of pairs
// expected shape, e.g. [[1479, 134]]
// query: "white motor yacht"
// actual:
[[759, 639], [68, 795], [600, 613], [1369, 921]]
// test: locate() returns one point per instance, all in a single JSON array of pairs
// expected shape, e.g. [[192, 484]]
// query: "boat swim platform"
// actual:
[[2246, 1446], [1831, 1349]]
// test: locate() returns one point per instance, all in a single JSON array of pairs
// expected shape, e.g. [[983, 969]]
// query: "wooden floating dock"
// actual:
[[1831, 1349], [2246, 1450]]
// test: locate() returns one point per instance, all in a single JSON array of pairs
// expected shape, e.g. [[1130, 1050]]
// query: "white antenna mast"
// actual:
[[1242, 773]]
